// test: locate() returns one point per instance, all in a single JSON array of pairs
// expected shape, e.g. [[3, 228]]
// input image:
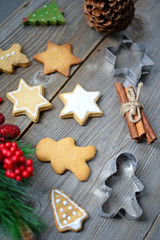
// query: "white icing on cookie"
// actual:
[[69, 217], [64, 215], [74, 213], [61, 209], [80, 102], [58, 201], [8, 55], [22, 84], [74, 225], [70, 207], [13, 53], [2, 58], [65, 203]]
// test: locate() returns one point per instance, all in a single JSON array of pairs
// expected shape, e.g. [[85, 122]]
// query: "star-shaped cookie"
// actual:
[[57, 58], [12, 58], [80, 104], [65, 155], [28, 100]]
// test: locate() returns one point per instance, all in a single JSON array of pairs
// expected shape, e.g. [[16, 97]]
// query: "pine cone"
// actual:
[[109, 15]]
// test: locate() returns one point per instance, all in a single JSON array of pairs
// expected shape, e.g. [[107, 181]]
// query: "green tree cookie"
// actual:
[[49, 14]]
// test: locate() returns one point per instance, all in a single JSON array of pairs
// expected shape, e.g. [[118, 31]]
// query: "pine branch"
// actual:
[[17, 217]]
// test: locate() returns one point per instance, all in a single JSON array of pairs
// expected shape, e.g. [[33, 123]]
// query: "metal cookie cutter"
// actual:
[[121, 189], [129, 59]]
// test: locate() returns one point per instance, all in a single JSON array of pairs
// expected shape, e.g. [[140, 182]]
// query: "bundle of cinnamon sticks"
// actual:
[[142, 128]]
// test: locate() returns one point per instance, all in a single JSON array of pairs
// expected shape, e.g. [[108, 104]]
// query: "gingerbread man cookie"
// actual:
[[80, 104], [12, 58], [68, 214], [57, 58], [28, 100], [65, 155]]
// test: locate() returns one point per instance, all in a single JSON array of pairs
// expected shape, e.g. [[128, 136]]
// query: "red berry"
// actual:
[[25, 174], [8, 144], [17, 171], [29, 162], [13, 149], [1, 100], [22, 159], [18, 178], [4, 151], [22, 168], [7, 161], [14, 144], [2, 146], [7, 173], [12, 175], [5, 166], [18, 153], [8, 153], [29, 169], [2, 119]]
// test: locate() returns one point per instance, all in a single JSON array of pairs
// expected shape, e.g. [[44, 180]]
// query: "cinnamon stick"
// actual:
[[123, 99], [150, 135], [139, 125]]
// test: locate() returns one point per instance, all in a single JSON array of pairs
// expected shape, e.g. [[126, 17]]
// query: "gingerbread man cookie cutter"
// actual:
[[120, 189]]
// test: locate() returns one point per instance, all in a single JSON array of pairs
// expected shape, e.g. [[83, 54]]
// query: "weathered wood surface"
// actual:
[[109, 134], [154, 233]]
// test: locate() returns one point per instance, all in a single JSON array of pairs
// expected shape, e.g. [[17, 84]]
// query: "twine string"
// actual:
[[133, 106]]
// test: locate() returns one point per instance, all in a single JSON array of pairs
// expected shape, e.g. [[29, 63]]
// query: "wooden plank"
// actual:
[[34, 39], [110, 136], [154, 233]]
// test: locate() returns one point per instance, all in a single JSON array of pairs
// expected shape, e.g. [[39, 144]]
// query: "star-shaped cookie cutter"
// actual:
[[120, 189], [137, 61]]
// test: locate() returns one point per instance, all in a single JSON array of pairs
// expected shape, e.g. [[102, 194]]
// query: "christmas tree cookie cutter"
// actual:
[[120, 190], [129, 59]]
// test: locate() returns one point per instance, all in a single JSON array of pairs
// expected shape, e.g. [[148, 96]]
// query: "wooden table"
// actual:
[[109, 134]]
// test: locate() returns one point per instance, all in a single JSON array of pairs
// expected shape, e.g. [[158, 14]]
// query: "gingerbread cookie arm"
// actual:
[[88, 152]]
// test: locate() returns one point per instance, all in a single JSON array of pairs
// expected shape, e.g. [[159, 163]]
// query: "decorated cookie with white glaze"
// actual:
[[80, 104], [68, 214], [28, 100], [12, 57]]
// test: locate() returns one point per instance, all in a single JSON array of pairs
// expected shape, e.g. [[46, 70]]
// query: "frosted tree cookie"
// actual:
[[68, 214]]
